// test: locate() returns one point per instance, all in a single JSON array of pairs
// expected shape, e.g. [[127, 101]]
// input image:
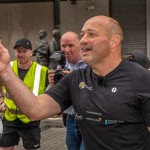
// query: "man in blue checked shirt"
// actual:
[[70, 48]]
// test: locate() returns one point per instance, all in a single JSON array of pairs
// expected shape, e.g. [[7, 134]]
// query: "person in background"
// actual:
[[138, 57], [111, 96], [42, 50], [70, 47], [16, 123]]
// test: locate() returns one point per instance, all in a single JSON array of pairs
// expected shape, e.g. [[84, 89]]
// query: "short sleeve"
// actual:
[[61, 93]]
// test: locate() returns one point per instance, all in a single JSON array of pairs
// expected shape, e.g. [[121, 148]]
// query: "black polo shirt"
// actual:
[[113, 111]]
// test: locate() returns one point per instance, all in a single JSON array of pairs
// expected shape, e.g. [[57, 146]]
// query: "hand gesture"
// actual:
[[4, 58]]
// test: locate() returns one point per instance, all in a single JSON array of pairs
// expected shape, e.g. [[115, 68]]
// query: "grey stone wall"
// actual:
[[74, 16], [26, 19]]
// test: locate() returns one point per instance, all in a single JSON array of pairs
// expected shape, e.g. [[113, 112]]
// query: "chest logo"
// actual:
[[82, 85], [114, 89]]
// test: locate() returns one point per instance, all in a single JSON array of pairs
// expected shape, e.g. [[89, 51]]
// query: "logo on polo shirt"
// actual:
[[78, 117], [114, 89], [82, 85]]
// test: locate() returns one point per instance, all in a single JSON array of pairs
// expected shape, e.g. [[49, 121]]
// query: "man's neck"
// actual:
[[104, 69], [77, 60]]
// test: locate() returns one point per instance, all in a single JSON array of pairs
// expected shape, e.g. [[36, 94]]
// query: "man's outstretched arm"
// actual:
[[35, 107]]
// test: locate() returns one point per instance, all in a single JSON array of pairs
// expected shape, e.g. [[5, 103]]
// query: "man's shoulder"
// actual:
[[80, 71], [134, 68], [83, 69], [138, 74]]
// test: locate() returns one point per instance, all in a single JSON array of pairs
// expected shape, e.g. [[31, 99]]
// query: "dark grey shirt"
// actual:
[[113, 111]]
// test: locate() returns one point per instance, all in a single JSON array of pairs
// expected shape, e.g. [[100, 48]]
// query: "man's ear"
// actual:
[[115, 41], [32, 53]]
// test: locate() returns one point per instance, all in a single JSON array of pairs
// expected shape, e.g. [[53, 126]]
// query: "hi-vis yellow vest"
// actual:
[[35, 80]]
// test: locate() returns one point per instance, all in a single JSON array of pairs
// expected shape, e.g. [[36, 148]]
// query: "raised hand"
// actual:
[[4, 58]]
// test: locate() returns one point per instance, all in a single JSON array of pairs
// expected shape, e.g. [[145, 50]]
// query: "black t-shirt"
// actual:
[[113, 111]]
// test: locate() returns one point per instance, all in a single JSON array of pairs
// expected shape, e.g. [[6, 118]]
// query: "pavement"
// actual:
[[52, 136]]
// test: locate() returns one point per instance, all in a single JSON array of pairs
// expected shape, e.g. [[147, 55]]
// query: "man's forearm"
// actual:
[[35, 107]]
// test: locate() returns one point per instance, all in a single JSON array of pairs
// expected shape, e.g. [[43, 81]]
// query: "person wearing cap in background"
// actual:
[[138, 57], [16, 124]]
